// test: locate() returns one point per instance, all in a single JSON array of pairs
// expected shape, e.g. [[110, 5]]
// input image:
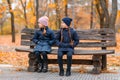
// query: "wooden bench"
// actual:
[[99, 39]]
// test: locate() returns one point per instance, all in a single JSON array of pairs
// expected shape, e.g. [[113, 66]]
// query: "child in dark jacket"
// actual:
[[43, 38], [66, 40]]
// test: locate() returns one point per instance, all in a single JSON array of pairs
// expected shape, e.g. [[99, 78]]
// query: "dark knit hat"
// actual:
[[67, 21]]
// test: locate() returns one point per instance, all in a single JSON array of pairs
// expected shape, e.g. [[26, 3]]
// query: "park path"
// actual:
[[10, 73]]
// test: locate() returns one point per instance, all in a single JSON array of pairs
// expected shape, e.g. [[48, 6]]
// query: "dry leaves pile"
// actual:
[[16, 59]]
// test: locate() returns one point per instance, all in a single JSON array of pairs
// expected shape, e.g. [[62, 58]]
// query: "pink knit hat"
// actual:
[[43, 20]]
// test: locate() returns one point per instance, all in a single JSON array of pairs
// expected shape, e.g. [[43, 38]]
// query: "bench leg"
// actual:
[[32, 62], [97, 64], [104, 62]]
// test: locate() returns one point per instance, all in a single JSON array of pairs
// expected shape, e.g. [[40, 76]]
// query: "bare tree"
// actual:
[[113, 15], [106, 19], [24, 9], [105, 11]]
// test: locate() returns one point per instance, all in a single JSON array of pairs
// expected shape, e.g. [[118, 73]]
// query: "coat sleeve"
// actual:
[[75, 39], [35, 37], [58, 36], [52, 38]]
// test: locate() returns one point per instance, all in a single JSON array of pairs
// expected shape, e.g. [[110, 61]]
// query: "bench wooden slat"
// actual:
[[90, 31], [81, 44], [78, 52], [97, 37], [81, 36], [74, 61], [96, 31]]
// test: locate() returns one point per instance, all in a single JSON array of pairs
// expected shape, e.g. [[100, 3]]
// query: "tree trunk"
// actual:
[[37, 13], [73, 13], [1, 24], [105, 11], [58, 22], [12, 21], [1, 30], [100, 13], [24, 9], [91, 17], [113, 15], [66, 1]]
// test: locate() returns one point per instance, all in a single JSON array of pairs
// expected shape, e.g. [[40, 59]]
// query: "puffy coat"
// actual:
[[65, 44], [43, 42]]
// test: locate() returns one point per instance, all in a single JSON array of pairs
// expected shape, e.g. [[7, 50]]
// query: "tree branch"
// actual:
[[106, 13], [113, 14]]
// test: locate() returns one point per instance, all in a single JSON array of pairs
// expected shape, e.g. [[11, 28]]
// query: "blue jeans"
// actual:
[[69, 59]]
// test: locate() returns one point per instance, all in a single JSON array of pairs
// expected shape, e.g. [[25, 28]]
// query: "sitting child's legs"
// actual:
[[39, 61], [45, 61], [60, 63], [69, 62]]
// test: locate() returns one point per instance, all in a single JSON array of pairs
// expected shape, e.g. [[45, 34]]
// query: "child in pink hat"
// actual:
[[43, 38]]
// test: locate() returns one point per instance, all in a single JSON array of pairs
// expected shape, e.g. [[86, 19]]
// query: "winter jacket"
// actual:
[[64, 45], [43, 42]]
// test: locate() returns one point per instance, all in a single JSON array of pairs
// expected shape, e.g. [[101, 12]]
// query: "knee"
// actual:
[[69, 54], [44, 53], [60, 54]]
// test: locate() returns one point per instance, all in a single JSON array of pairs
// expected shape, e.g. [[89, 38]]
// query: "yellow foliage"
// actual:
[[119, 13], [7, 29], [96, 2], [16, 59], [29, 5], [11, 10], [33, 20], [65, 2], [119, 30], [52, 5], [1, 15], [2, 9]]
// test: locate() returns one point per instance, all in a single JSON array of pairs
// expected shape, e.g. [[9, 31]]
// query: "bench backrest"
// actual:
[[88, 38]]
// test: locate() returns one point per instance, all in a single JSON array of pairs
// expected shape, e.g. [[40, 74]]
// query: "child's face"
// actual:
[[41, 25], [63, 25]]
